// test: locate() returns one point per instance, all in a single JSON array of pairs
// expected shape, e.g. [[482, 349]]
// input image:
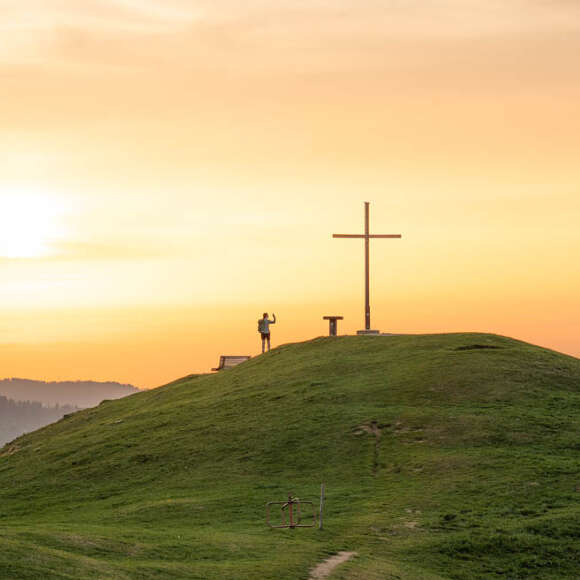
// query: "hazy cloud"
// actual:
[[260, 34]]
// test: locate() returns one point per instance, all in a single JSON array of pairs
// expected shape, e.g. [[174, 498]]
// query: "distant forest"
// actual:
[[18, 417], [76, 393], [27, 405]]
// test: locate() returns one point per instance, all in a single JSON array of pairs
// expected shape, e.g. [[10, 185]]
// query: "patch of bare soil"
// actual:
[[324, 569], [10, 450]]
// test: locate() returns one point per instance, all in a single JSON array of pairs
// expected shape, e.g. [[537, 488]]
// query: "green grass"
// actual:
[[474, 473]]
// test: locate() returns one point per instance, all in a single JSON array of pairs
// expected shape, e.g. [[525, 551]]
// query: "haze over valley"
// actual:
[[26, 405]]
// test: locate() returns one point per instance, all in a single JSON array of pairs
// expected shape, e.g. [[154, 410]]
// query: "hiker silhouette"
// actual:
[[264, 329]]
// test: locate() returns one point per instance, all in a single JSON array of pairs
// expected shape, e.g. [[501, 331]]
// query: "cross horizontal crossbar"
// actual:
[[366, 235]]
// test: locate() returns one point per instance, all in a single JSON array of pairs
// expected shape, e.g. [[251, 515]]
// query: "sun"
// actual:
[[30, 224]]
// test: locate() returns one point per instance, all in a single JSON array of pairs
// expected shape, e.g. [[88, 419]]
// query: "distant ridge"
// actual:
[[76, 393]]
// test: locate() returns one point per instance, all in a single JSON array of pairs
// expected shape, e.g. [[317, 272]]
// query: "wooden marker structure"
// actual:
[[367, 238], [332, 324], [291, 513]]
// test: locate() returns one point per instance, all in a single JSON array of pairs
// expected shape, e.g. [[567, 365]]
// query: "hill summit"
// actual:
[[444, 456]]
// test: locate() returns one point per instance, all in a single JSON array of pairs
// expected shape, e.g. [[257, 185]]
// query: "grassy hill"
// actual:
[[444, 456]]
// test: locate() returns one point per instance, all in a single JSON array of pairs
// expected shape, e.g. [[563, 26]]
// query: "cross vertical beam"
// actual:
[[367, 270], [367, 237]]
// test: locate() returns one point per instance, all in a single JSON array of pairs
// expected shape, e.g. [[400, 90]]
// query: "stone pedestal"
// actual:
[[369, 332]]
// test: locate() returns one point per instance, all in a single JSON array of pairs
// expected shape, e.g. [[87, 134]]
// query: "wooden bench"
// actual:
[[227, 362]]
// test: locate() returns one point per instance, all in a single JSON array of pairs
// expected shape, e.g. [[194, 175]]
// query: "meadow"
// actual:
[[450, 456]]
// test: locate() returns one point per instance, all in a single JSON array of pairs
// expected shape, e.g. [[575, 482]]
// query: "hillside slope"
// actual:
[[444, 456]]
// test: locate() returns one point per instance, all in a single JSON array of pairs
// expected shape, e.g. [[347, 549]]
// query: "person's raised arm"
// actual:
[[274, 321]]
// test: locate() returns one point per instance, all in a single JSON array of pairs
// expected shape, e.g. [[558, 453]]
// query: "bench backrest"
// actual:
[[227, 361], [232, 361]]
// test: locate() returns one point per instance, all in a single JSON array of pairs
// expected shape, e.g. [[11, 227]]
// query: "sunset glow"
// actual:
[[29, 225], [172, 169]]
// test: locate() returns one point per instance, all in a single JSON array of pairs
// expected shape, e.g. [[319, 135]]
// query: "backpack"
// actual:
[[261, 325]]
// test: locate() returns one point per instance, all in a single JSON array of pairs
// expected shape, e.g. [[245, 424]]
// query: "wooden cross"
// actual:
[[367, 236]]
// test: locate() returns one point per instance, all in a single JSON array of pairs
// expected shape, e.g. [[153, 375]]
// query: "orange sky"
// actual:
[[171, 169]]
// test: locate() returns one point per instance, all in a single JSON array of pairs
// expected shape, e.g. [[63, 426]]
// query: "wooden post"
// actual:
[[332, 324], [321, 506], [290, 510], [367, 272]]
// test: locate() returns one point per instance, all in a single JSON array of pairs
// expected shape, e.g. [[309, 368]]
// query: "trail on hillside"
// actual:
[[324, 569]]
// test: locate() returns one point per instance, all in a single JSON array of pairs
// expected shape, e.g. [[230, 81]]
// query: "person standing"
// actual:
[[264, 329]]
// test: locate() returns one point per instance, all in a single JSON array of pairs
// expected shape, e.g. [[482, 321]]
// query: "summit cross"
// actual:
[[367, 237]]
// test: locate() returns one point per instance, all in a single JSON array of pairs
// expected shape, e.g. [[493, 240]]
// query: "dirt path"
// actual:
[[325, 568]]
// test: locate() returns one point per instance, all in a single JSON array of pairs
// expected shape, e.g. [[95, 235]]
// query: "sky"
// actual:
[[172, 169]]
